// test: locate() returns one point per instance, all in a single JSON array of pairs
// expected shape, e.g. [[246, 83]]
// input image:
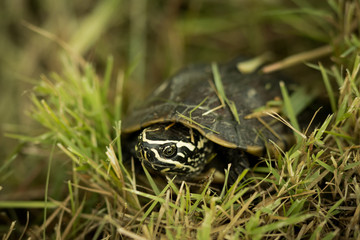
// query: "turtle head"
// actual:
[[173, 149]]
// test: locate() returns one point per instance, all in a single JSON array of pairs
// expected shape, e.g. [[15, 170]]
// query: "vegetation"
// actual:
[[72, 151]]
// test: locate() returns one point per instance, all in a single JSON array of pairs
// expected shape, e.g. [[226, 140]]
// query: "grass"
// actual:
[[310, 191], [221, 92]]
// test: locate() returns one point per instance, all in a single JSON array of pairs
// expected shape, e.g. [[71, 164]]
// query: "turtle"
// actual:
[[184, 125]]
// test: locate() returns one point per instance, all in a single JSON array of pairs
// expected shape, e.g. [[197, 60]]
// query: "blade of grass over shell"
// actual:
[[196, 123], [201, 103], [220, 88]]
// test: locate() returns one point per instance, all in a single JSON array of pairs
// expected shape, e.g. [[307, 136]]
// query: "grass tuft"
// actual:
[[295, 203]]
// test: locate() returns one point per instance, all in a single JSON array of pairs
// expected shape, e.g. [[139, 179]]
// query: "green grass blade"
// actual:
[[204, 231], [27, 204], [289, 109], [321, 131], [328, 87], [47, 186], [260, 231], [220, 88], [326, 166], [151, 181]]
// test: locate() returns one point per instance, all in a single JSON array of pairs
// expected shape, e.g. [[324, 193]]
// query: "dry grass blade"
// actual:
[[129, 234], [267, 126], [52, 217], [298, 58], [253, 64], [8, 234], [26, 226], [212, 110], [110, 153], [262, 113], [74, 218], [281, 119]]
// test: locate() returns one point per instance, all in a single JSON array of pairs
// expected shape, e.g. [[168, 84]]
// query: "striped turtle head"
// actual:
[[173, 149]]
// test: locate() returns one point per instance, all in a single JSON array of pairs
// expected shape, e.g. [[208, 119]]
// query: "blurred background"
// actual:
[[148, 40]]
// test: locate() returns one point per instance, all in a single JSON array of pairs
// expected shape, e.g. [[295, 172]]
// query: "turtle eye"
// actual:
[[169, 150]]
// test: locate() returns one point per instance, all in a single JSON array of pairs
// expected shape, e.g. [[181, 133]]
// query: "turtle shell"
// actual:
[[190, 98]]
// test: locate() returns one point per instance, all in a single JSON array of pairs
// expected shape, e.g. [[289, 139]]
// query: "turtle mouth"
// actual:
[[156, 167]]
